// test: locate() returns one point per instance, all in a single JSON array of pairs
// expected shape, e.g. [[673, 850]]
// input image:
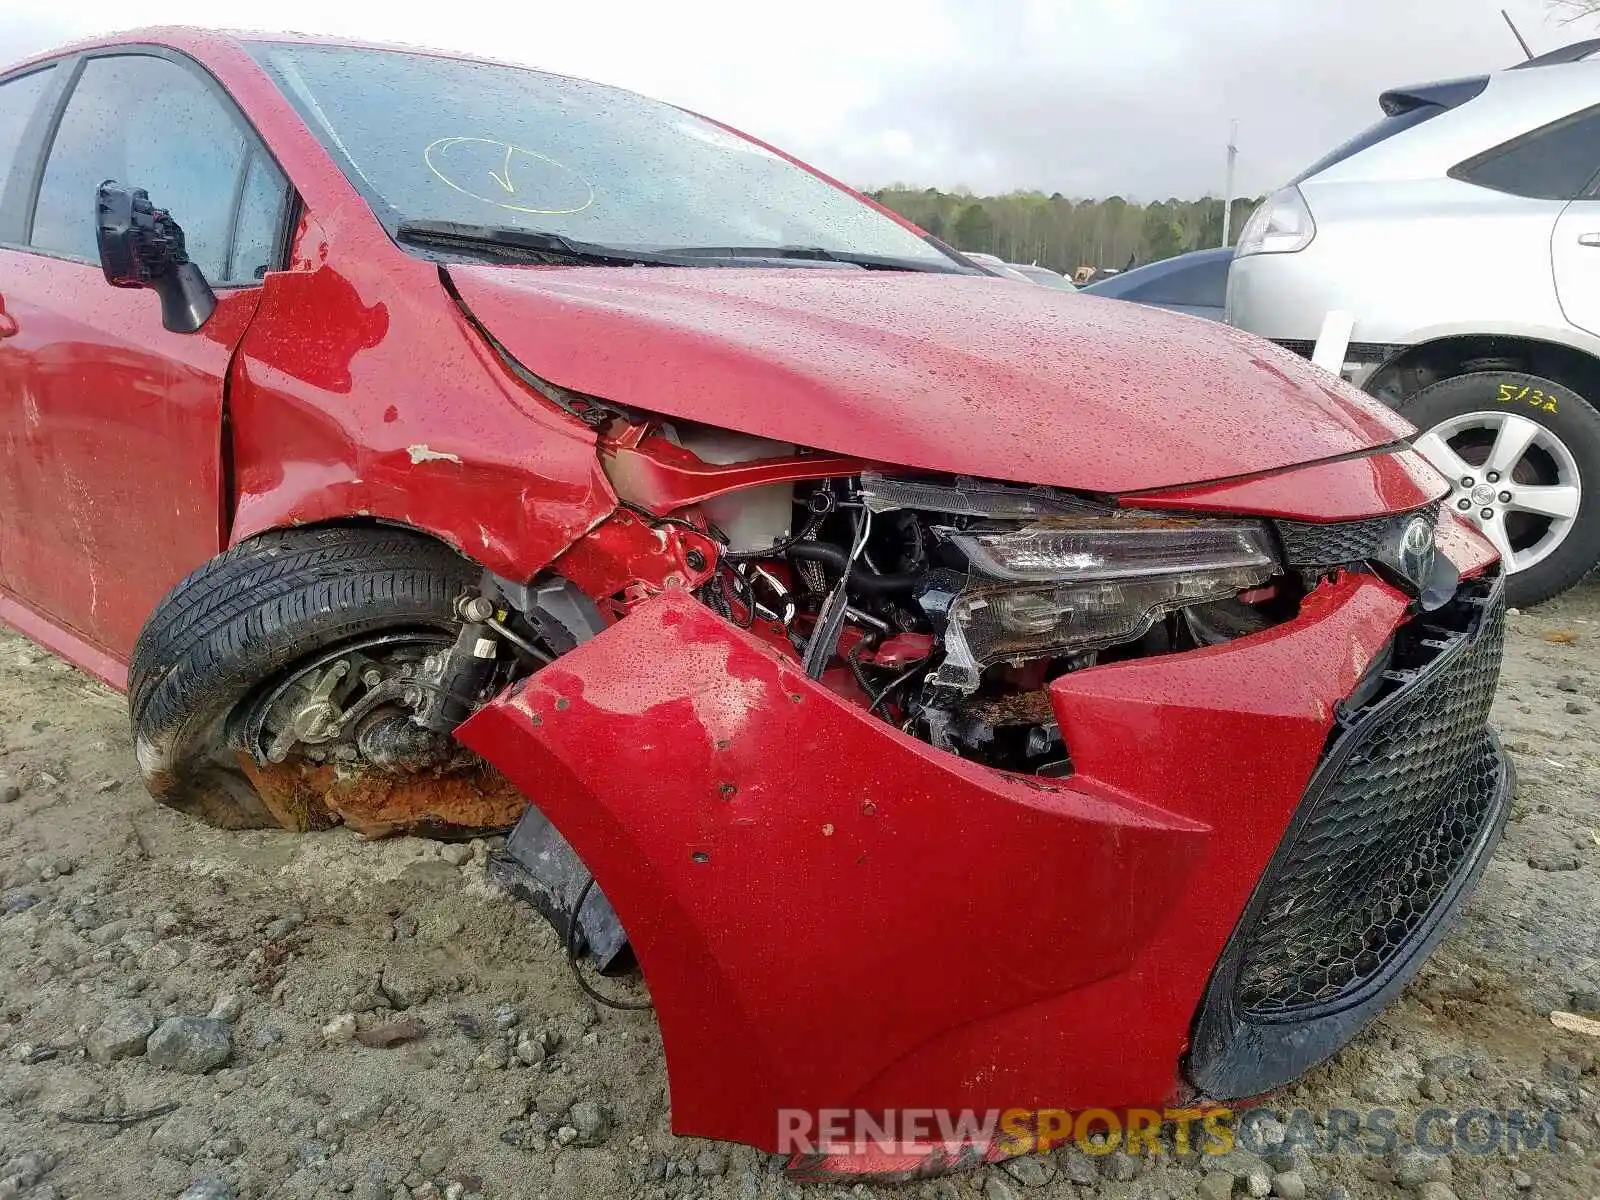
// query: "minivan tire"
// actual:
[[1570, 419]]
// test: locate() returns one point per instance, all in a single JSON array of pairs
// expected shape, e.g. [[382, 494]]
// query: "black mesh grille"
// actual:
[[1394, 815], [1363, 352], [1306, 545]]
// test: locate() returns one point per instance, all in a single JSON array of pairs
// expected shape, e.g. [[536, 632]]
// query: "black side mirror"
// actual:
[[141, 246]]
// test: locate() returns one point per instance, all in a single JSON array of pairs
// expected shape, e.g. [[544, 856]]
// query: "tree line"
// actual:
[[1063, 234]]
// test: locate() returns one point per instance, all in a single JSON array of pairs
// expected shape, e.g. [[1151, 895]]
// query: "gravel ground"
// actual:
[[188, 1012]]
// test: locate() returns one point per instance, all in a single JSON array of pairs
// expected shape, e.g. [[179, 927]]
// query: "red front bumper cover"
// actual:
[[833, 915]]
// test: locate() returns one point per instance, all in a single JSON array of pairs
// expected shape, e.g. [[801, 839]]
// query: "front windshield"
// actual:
[[441, 139]]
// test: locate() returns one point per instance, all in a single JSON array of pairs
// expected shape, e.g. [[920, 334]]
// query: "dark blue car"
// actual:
[[1194, 283]]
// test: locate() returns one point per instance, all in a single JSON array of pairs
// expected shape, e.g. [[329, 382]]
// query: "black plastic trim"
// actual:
[[1445, 94], [1376, 353], [1232, 1056]]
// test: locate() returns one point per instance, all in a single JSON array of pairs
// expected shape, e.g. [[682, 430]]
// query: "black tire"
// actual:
[[247, 616], [1574, 421]]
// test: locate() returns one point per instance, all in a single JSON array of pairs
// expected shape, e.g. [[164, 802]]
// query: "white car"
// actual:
[[1454, 248], [1043, 276], [996, 265]]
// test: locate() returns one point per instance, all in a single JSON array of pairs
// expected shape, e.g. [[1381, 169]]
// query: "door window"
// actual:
[[260, 225], [151, 123], [18, 99], [1555, 162]]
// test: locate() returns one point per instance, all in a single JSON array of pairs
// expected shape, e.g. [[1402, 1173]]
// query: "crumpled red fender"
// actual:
[[813, 895]]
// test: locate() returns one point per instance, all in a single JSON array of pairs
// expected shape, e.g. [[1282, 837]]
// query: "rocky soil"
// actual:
[[185, 1012]]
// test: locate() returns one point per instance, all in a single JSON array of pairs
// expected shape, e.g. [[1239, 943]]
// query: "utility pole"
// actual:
[[1227, 188]]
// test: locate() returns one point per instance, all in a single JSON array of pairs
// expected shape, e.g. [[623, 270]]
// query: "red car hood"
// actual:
[[960, 374]]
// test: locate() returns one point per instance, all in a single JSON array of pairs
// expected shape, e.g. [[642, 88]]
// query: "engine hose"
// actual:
[[861, 579], [852, 659]]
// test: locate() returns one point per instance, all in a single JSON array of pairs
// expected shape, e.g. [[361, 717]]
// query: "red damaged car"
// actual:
[[958, 695]]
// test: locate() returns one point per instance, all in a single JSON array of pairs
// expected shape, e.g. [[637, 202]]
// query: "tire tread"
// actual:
[[238, 620]]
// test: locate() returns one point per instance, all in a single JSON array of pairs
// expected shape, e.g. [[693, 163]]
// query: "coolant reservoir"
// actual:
[[756, 518]]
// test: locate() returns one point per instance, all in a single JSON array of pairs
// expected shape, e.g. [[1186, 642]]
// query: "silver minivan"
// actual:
[[1447, 260]]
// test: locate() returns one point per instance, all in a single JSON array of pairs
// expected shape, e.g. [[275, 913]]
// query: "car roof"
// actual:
[[200, 43], [1576, 52]]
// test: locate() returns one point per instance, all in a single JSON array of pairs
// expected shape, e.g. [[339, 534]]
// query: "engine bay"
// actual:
[[942, 605], [946, 606]]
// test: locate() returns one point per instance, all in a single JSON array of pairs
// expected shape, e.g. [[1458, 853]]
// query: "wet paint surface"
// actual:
[[1344, 489], [797, 876], [1463, 543], [950, 373], [418, 424], [110, 454]]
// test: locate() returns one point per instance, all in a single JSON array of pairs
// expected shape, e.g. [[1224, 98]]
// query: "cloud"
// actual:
[[1093, 103], [25, 34], [1086, 97]]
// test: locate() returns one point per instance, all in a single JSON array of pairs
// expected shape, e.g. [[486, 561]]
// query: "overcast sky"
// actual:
[[1084, 97]]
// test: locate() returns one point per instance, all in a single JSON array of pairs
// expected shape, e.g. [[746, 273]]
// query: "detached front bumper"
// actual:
[[832, 915]]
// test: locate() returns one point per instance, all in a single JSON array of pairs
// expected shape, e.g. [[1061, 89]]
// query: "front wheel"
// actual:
[[274, 686], [1522, 454]]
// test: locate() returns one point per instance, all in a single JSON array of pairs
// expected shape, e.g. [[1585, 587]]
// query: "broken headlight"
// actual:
[[1068, 585]]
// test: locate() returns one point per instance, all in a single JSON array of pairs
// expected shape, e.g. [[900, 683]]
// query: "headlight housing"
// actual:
[[1281, 225], [1074, 584]]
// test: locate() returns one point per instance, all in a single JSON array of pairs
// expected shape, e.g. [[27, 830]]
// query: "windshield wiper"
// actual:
[[537, 245], [871, 262]]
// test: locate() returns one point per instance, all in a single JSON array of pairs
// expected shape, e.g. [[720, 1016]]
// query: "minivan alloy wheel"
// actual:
[[1512, 477]]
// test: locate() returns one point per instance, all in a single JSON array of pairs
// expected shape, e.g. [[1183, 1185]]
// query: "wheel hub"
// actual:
[[318, 710], [1511, 477], [333, 742]]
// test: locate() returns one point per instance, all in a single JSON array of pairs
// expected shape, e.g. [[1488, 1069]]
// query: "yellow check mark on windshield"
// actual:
[[504, 177]]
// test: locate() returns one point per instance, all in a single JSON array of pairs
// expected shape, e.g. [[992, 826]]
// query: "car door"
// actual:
[[1575, 247], [1555, 165], [112, 425], [24, 98]]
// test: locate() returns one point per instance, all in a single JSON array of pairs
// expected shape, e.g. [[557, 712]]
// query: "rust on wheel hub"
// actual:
[[461, 799]]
